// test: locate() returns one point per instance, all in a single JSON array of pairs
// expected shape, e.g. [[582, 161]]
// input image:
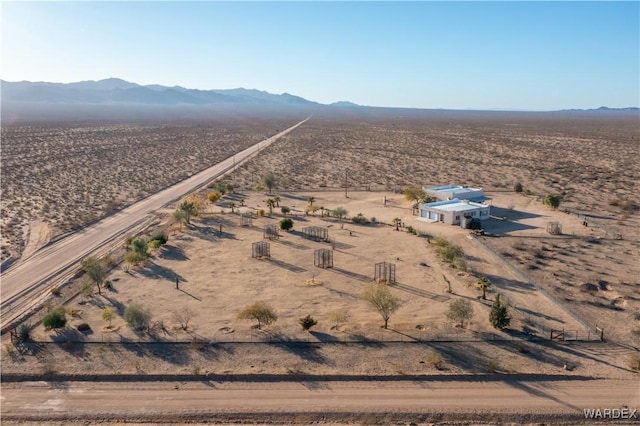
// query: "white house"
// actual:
[[449, 192], [454, 211]]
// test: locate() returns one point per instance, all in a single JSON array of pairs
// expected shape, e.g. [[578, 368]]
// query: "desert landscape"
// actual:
[[582, 283]]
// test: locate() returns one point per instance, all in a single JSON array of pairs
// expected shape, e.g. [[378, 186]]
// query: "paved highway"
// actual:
[[23, 285], [78, 400]]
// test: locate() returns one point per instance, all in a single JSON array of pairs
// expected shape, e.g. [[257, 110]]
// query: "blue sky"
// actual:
[[480, 55]]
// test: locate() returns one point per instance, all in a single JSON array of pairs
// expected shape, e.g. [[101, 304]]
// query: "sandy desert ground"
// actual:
[[590, 272]]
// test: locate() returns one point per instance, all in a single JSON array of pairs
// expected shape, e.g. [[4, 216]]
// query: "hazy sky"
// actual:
[[481, 55]]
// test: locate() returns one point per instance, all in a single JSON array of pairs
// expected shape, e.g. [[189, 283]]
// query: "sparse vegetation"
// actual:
[[518, 187], [270, 181], [108, 314], [338, 318]]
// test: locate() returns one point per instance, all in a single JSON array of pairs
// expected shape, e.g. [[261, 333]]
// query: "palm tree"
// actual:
[[277, 200], [483, 284], [397, 221], [270, 203], [232, 205], [310, 200]]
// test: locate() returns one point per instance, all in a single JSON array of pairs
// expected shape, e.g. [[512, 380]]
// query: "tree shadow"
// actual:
[[285, 265], [155, 271], [350, 274], [307, 351], [171, 252], [324, 337], [420, 292]]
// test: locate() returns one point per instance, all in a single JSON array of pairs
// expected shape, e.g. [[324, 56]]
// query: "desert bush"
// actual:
[[24, 332], [154, 244], [338, 317], [435, 360], [137, 317], [285, 210], [161, 237], [261, 212], [493, 366], [56, 291], [340, 212], [214, 196], [83, 326], [286, 224], [307, 322], [552, 201], [359, 219], [55, 319], [183, 317], [259, 311]]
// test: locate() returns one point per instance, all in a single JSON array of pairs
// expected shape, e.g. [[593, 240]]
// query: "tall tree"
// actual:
[[499, 316], [379, 297], [270, 181]]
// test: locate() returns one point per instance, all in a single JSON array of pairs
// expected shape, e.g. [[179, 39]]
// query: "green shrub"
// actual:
[[137, 317], [55, 319], [160, 237], [285, 210], [518, 187], [286, 224], [359, 219]]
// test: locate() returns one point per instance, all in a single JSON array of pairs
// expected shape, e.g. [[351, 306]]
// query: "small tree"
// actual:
[[415, 194], [340, 212], [338, 317], [518, 187], [214, 196], [181, 217], [499, 316], [182, 317], [286, 224], [277, 200], [307, 322], [137, 317], [270, 181], [139, 251], [55, 319], [483, 284], [232, 206], [311, 200], [552, 201], [396, 221], [259, 311], [460, 310], [379, 297], [108, 314], [95, 270], [285, 210]]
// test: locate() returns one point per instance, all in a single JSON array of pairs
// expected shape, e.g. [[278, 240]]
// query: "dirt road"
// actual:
[[148, 401], [23, 283]]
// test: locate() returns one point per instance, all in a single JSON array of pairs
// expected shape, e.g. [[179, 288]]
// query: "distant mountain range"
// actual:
[[117, 91]]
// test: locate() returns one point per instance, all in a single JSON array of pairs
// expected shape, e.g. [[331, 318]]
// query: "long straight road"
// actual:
[[24, 283], [146, 401]]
